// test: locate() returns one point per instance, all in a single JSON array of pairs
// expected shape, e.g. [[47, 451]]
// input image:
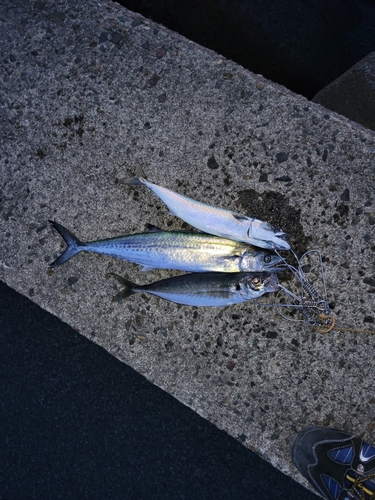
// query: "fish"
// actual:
[[184, 251], [216, 221], [204, 289]]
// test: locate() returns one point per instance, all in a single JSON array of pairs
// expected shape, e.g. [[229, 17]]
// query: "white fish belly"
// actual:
[[215, 221]]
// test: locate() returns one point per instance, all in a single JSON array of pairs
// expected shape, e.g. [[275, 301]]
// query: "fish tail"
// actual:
[[139, 177], [74, 245], [129, 287]]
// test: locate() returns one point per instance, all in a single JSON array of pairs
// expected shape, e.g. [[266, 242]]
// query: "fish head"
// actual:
[[257, 260], [263, 235], [253, 285]]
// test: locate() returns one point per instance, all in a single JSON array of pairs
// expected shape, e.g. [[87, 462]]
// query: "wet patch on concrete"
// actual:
[[274, 208]]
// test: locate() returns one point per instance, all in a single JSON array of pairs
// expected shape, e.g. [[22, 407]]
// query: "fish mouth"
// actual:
[[268, 236], [278, 268], [278, 240], [272, 284], [282, 241]]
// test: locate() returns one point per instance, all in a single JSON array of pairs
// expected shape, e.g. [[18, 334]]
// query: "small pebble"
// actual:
[[212, 163], [161, 52], [281, 157], [345, 195]]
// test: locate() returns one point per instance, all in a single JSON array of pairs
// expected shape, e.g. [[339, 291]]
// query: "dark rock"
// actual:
[[116, 38], [137, 22], [242, 438], [281, 157], [283, 178], [103, 37], [343, 210], [72, 280], [263, 178], [153, 80], [160, 52], [230, 365], [353, 93], [271, 335], [345, 195], [212, 163], [369, 281]]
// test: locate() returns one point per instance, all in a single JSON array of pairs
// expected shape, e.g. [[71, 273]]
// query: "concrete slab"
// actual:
[[353, 93], [90, 88]]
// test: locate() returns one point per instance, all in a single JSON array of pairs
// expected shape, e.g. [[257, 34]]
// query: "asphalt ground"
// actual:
[[78, 423]]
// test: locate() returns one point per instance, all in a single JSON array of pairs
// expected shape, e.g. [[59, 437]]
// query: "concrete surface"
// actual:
[[91, 88], [353, 93]]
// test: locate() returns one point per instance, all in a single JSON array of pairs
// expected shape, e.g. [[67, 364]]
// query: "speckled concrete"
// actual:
[[91, 88]]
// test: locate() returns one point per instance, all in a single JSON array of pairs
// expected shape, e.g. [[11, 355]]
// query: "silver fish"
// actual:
[[216, 221], [194, 252], [204, 290]]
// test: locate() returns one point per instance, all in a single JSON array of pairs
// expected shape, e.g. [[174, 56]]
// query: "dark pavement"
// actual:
[[77, 423]]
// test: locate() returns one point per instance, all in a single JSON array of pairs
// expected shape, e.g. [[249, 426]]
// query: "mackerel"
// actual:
[[204, 289], [185, 251]]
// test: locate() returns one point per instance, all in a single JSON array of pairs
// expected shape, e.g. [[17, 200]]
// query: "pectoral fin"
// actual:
[[147, 268], [230, 257]]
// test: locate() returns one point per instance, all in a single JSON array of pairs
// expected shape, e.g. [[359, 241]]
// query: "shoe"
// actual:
[[339, 466]]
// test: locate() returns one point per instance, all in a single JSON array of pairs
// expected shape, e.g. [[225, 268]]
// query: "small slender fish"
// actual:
[[204, 290], [194, 252], [216, 221]]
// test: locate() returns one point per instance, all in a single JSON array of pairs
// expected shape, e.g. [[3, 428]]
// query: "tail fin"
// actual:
[[138, 178], [129, 287], [74, 245]]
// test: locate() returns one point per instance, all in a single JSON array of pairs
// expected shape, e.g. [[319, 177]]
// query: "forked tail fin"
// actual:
[[128, 287], [74, 245], [138, 178]]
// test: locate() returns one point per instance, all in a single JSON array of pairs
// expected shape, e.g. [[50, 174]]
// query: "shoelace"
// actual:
[[358, 486]]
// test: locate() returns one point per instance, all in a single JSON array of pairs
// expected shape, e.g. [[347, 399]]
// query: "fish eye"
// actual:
[[256, 282], [267, 259]]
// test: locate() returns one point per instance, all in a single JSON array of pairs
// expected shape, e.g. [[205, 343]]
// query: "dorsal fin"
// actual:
[[150, 228], [240, 217]]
